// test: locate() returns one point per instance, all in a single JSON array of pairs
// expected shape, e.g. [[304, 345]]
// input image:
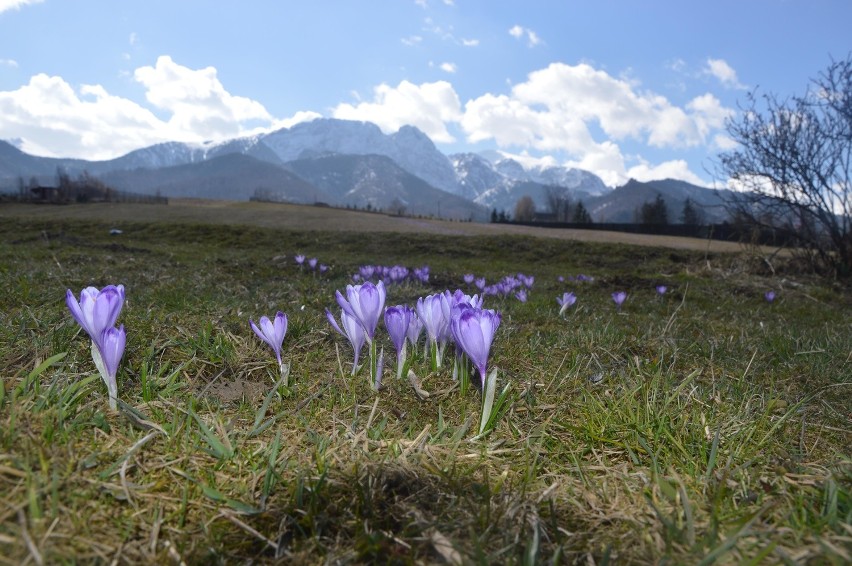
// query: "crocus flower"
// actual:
[[565, 301], [769, 296], [323, 268], [272, 332], [364, 303], [300, 259], [415, 327], [661, 289], [619, 297], [107, 359], [352, 330], [97, 310], [468, 278], [480, 283], [312, 263], [474, 330], [459, 297], [521, 296], [434, 312], [422, 274], [397, 321]]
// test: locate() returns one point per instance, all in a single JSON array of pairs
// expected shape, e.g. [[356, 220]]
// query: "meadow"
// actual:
[[703, 426]]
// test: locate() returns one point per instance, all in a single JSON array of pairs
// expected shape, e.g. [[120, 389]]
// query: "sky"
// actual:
[[623, 88]]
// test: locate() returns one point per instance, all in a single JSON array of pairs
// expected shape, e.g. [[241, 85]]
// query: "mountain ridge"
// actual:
[[403, 168]]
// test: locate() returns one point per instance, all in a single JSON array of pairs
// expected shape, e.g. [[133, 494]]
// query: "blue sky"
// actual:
[[623, 88]]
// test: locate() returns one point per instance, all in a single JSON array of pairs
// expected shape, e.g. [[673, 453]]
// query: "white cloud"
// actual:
[[9, 63], [675, 169], [556, 108], [676, 65], [518, 32], [530, 161], [411, 40], [449, 67], [297, 118], [708, 113], [724, 142], [428, 106], [15, 4], [469, 42], [133, 39], [53, 119], [566, 98], [726, 75], [197, 101]]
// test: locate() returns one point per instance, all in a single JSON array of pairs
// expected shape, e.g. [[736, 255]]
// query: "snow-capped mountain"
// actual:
[[410, 148], [475, 175], [500, 184]]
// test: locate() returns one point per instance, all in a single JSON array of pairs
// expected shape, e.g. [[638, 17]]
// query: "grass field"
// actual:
[[706, 426]]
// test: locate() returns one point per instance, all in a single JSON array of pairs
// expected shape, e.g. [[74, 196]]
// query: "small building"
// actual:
[[44, 194]]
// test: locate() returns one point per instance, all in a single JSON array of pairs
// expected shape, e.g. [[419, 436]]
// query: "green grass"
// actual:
[[719, 433]]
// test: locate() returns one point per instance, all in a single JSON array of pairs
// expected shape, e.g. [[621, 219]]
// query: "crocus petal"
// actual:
[[97, 310], [112, 349], [280, 325], [365, 303], [333, 322], [397, 320], [474, 331], [76, 311], [268, 330]]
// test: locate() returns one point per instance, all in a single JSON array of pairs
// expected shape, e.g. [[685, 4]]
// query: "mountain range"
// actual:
[[349, 163]]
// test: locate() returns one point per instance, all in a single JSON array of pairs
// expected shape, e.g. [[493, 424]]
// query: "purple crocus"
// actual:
[[97, 310], [521, 295], [364, 303], [415, 328], [113, 341], [661, 290], [474, 330], [300, 259], [619, 298], [352, 330], [769, 296], [434, 312], [468, 278], [397, 321], [312, 263], [323, 268], [480, 283], [459, 296], [422, 274], [272, 332], [565, 301]]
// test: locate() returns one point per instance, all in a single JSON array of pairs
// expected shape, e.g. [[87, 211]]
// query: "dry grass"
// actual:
[[313, 218]]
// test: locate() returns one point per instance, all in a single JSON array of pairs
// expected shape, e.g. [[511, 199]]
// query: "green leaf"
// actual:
[[218, 448], [33, 375]]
